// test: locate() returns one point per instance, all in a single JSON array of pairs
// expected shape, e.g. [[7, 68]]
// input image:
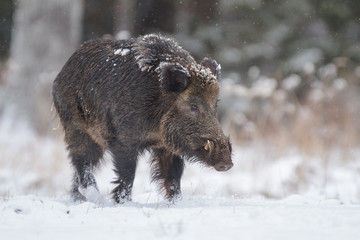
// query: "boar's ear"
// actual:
[[173, 77], [214, 67]]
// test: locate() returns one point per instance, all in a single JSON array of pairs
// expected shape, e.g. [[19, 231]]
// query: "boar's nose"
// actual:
[[221, 167]]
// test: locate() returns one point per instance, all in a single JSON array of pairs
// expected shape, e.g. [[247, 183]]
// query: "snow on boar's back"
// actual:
[[131, 95]]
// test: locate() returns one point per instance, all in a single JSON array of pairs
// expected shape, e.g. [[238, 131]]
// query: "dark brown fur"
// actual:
[[131, 95]]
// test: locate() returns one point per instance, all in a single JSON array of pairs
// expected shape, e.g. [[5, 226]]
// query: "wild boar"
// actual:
[[128, 96]]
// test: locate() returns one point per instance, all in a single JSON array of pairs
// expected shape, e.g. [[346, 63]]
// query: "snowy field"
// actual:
[[296, 217], [264, 196]]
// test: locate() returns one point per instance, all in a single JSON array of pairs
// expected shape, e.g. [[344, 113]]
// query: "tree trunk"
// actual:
[[123, 18], [154, 16], [45, 34]]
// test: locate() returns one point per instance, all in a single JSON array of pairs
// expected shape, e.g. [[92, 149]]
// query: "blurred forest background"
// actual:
[[290, 69]]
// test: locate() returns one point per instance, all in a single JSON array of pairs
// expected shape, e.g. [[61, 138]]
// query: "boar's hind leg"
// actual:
[[168, 169], [125, 166], [85, 155]]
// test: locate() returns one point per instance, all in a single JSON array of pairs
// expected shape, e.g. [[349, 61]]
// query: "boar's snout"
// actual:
[[220, 153], [222, 166]]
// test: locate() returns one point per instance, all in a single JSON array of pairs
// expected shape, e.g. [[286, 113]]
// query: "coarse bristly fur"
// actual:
[[128, 96]]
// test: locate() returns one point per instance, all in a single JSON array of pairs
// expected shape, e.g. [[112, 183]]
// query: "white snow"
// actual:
[[302, 59], [122, 51], [218, 67], [164, 65], [340, 84], [92, 195], [203, 74], [291, 82], [296, 217], [263, 87], [309, 68]]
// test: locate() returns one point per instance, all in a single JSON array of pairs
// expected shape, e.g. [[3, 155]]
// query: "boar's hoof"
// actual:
[[221, 167]]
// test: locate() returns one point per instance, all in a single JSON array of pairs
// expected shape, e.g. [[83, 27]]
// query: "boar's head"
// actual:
[[190, 128]]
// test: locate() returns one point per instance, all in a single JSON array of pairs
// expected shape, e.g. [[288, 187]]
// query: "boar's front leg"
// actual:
[[125, 166], [168, 169]]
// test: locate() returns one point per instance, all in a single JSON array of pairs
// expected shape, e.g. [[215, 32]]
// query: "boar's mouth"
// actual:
[[223, 166], [215, 154]]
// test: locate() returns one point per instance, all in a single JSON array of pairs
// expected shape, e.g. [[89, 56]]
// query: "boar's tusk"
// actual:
[[208, 145]]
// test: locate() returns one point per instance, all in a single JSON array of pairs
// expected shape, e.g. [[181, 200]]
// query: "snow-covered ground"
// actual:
[[266, 195], [295, 217]]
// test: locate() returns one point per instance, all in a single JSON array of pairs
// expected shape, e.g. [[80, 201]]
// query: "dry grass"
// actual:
[[320, 114], [316, 119]]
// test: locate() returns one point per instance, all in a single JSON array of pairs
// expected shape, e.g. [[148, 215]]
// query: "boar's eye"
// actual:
[[194, 108]]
